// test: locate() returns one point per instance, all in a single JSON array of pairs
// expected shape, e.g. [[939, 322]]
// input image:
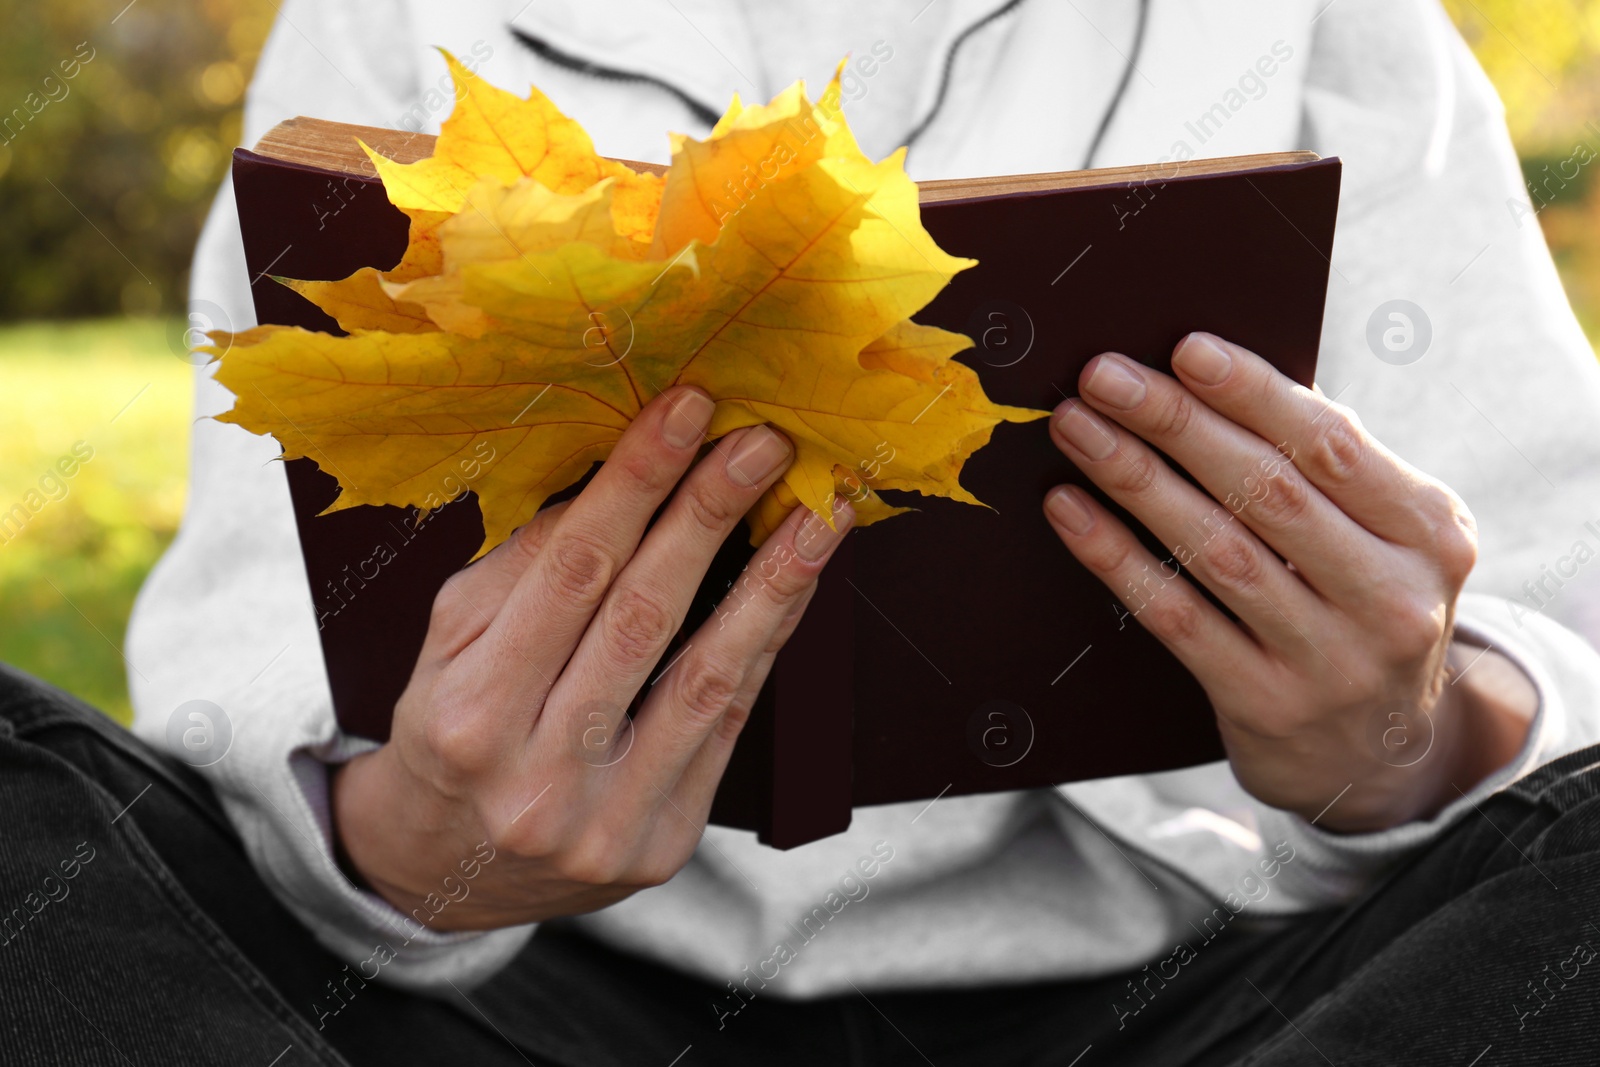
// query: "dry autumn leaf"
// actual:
[[547, 294]]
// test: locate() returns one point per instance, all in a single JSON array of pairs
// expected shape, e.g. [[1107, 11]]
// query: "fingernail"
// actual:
[[1202, 359], [758, 454], [1085, 432], [1115, 382], [686, 422], [814, 539], [1068, 510]]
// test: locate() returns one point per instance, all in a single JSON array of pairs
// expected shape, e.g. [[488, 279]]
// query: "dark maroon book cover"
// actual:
[[950, 651]]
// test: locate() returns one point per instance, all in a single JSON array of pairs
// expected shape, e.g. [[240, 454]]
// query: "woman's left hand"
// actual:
[[1341, 679]]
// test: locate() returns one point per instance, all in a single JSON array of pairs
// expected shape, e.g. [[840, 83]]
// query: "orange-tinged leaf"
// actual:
[[359, 302], [491, 133], [499, 225], [749, 149], [496, 134], [547, 295]]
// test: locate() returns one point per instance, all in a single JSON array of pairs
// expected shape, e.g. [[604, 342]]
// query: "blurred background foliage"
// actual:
[[133, 144], [105, 178], [116, 122], [1544, 58]]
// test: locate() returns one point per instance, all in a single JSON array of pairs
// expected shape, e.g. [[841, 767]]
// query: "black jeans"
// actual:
[[133, 930]]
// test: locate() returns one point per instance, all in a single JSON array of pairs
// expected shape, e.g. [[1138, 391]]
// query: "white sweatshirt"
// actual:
[[1080, 880]]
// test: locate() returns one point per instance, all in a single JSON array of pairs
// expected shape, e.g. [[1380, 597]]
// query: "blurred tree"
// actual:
[[1544, 58], [105, 176], [115, 125], [1541, 56]]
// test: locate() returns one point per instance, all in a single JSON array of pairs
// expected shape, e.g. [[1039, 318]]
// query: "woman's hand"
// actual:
[[513, 728], [1341, 562]]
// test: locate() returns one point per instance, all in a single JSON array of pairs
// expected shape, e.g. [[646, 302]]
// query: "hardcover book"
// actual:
[[965, 650]]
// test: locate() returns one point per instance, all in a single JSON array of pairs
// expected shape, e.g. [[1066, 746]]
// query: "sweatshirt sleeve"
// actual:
[[226, 616], [1565, 670], [1498, 394]]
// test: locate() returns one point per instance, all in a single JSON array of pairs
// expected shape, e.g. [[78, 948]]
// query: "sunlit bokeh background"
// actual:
[[102, 192]]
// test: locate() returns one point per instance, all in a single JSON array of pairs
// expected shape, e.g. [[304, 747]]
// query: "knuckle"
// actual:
[[641, 472], [579, 568], [527, 539], [1174, 414], [638, 624], [597, 858], [785, 589], [456, 746], [1413, 625], [1287, 500], [1233, 562], [1342, 446], [1175, 617], [1458, 545], [731, 725], [712, 510], [1110, 556], [781, 583], [706, 688], [772, 584], [522, 834], [1436, 503], [1136, 474], [1453, 531]]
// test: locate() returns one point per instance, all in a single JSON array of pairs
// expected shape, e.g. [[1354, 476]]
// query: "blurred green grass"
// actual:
[[68, 577]]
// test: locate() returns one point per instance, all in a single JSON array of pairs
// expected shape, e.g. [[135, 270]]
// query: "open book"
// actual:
[[957, 650]]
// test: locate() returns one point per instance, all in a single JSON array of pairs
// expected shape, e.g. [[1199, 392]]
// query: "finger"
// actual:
[[698, 787], [691, 700], [467, 603], [1242, 471], [1202, 535], [1325, 440], [647, 603], [548, 609], [1204, 639]]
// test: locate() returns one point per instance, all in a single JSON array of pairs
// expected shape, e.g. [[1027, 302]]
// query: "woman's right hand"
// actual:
[[512, 730]]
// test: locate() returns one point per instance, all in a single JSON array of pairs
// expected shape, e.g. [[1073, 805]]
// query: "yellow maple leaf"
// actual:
[[359, 302], [547, 294]]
